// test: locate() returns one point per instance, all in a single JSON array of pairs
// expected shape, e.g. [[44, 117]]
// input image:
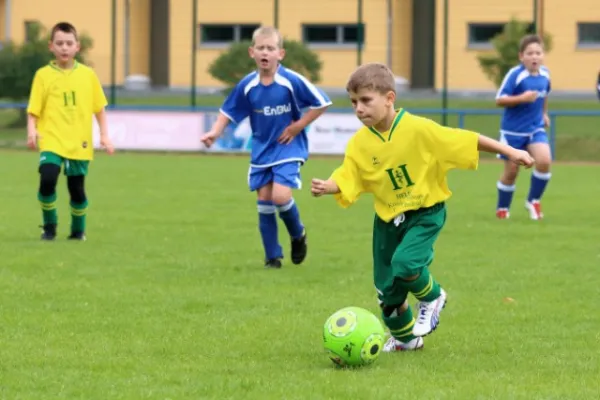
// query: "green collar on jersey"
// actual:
[[56, 67], [394, 124]]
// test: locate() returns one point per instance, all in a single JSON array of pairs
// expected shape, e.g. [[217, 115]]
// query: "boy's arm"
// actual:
[[345, 183], [235, 108], [34, 110], [507, 96], [103, 125], [295, 128], [490, 145], [32, 134]]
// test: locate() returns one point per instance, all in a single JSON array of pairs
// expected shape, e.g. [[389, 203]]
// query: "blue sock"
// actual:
[[539, 180], [291, 217], [267, 224], [505, 195]]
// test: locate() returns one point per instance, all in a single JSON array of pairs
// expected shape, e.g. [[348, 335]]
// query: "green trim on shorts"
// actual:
[[72, 167]]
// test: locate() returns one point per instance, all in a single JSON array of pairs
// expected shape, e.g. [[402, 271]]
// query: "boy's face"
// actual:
[[370, 106], [532, 57], [64, 46], [266, 52]]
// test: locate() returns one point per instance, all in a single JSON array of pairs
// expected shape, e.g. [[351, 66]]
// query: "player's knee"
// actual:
[[76, 189], [542, 165], [265, 193], [48, 178], [510, 174], [281, 195]]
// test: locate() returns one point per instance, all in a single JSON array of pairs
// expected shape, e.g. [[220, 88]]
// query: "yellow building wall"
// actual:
[[93, 19], [2, 19], [139, 37], [570, 68], [463, 68], [338, 63], [402, 37]]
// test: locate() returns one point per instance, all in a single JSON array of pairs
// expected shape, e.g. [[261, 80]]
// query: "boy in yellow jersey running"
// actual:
[[65, 95], [403, 160]]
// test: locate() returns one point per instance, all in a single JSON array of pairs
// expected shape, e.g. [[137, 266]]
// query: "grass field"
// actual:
[[168, 298], [578, 137]]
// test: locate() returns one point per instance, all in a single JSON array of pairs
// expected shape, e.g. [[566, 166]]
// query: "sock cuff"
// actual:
[[505, 188], [46, 199], [286, 206], [265, 207], [79, 206], [542, 175]]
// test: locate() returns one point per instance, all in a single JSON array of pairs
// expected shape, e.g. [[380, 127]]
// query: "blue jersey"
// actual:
[[271, 109], [525, 118]]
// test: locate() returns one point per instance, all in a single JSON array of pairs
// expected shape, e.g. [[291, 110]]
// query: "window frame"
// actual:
[[339, 42], [587, 45], [237, 37]]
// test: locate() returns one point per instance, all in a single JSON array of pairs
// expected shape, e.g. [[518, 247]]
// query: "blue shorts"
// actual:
[[286, 174], [522, 141]]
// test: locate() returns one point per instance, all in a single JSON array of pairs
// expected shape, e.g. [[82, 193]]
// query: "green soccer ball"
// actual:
[[353, 337]]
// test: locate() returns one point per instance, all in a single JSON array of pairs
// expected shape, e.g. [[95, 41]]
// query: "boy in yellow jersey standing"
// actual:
[[403, 160], [65, 96]]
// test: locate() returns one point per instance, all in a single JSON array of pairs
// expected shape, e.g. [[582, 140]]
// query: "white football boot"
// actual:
[[428, 315], [535, 209], [394, 344]]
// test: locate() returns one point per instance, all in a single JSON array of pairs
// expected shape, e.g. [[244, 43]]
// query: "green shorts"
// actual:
[[402, 249], [72, 167]]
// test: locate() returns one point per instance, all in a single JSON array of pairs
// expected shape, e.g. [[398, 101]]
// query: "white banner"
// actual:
[[330, 133], [181, 131], [149, 130]]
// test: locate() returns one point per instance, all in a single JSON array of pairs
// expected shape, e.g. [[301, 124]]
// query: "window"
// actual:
[[480, 34], [31, 30], [588, 34], [223, 34], [333, 34]]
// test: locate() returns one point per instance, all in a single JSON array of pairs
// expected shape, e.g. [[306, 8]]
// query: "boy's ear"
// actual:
[[391, 97]]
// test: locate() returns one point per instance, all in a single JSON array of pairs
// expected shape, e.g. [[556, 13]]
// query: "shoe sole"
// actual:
[[436, 325]]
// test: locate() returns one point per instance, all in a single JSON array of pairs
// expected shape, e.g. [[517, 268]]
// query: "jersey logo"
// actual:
[[277, 110], [376, 161], [399, 177]]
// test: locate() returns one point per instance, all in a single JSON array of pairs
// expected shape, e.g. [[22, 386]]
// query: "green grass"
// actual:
[[577, 138], [168, 298]]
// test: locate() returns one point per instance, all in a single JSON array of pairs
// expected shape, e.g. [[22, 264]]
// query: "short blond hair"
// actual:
[[267, 31], [372, 76]]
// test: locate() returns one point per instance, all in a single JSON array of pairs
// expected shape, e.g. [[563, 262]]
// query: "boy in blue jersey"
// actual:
[[274, 97], [524, 96]]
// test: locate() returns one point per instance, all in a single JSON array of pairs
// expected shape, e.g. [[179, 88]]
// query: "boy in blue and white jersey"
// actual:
[[524, 96], [273, 97]]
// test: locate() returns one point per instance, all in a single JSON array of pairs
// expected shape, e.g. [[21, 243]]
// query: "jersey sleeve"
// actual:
[[36, 96], [508, 86], [307, 94], [348, 179], [236, 106], [98, 97], [452, 147]]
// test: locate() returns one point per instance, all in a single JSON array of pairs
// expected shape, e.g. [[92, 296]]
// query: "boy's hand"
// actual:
[[529, 96], [546, 120], [107, 145], [209, 138], [32, 138], [521, 157], [320, 187], [289, 133]]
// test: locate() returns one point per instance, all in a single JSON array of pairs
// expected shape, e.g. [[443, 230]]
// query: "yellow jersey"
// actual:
[[404, 168], [65, 102]]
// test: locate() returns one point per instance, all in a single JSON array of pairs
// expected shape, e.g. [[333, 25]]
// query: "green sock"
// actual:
[[401, 325], [48, 205], [424, 288], [78, 213]]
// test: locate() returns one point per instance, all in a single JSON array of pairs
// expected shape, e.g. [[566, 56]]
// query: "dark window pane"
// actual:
[[588, 33], [483, 33], [320, 33], [246, 31], [217, 33], [352, 33]]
